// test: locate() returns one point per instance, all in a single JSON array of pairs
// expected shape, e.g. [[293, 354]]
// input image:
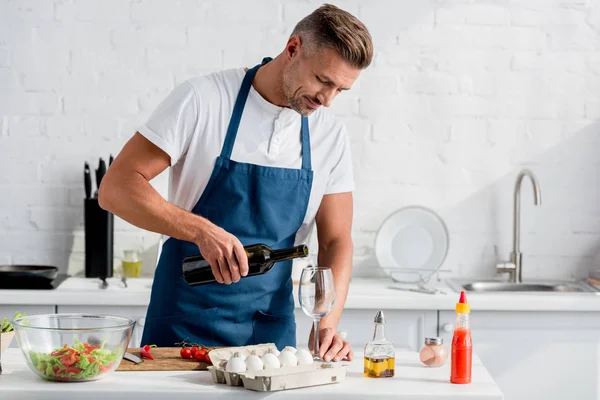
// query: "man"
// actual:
[[254, 159]]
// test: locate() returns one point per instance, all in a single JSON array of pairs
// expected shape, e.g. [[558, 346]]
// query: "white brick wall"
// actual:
[[461, 96]]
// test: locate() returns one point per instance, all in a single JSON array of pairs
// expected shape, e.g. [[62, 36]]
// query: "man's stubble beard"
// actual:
[[295, 103]]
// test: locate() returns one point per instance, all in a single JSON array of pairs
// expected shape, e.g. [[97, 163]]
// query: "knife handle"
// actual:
[[87, 181], [100, 172]]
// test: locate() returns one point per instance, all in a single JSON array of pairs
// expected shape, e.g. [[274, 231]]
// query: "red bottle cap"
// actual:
[[462, 306]]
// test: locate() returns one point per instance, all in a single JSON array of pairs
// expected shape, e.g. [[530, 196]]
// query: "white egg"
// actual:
[[289, 348], [271, 361], [304, 357], [236, 364], [288, 359], [254, 363]]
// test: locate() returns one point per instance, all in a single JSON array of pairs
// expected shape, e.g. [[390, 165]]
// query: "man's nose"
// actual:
[[325, 98]]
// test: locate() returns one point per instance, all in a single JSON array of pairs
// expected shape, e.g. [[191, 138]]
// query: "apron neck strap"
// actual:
[[236, 117], [306, 162]]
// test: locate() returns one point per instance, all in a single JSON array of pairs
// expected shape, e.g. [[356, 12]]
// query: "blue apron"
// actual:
[[257, 204]]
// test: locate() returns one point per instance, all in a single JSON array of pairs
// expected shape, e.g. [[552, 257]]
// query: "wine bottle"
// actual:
[[261, 258]]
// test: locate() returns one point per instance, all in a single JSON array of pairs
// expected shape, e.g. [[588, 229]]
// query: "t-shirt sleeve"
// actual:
[[174, 121], [341, 177]]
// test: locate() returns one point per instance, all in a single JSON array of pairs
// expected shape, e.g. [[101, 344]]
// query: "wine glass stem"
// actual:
[[316, 323]]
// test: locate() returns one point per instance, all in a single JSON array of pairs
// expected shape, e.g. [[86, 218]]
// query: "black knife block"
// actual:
[[99, 238]]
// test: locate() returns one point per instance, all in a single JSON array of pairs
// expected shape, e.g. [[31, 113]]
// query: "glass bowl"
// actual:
[[73, 347]]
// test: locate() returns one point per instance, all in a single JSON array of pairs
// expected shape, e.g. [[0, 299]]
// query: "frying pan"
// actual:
[[28, 271]]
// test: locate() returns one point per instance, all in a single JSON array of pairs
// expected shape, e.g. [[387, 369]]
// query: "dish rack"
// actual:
[[271, 380], [411, 245]]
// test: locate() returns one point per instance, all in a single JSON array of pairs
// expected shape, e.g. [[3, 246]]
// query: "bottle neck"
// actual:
[[462, 321], [379, 332], [288, 254]]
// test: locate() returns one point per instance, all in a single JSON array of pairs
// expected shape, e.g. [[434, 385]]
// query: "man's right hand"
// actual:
[[126, 192], [224, 252]]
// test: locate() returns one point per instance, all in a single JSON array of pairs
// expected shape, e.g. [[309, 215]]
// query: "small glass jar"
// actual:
[[433, 354], [131, 264]]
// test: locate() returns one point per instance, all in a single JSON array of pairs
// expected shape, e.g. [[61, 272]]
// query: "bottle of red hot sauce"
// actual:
[[462, 345]]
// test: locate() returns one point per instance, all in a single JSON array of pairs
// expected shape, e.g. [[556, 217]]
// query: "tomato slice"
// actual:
[[62, 352], [68, 360], [73, 370], [104, 368]]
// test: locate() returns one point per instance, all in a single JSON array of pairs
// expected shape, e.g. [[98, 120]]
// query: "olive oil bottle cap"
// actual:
[[379, 318]]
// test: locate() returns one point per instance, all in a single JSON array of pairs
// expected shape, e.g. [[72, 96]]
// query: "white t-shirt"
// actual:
[[190, 125]]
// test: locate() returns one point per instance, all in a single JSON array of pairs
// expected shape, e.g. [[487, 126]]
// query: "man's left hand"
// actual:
[[331, 345]]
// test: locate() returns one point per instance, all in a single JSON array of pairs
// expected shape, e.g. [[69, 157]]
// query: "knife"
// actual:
[[133, 358], [87, 180], [100, 172]]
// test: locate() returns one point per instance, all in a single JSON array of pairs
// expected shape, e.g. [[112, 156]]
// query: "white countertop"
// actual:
[[411, 381], [363, 294]]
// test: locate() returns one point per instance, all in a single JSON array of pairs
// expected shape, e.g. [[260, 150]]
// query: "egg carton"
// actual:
[[284, 378], [224, 353]]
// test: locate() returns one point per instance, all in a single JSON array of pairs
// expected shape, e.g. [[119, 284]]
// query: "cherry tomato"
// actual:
[[207, 357], [185, 352], [194, 351], [201, 355]]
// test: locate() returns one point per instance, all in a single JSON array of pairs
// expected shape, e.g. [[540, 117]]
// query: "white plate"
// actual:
[[412, 244]]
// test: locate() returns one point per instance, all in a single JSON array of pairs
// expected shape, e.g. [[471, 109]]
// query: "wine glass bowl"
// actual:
[[316, 293]]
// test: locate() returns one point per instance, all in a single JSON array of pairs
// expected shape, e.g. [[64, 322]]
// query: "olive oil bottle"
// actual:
[[380, 355], [261, 259]]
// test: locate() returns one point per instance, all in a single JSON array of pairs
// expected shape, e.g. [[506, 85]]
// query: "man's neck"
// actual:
[[268, 82]]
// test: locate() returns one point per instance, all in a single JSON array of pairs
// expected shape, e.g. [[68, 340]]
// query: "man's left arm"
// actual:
[[334, 230]]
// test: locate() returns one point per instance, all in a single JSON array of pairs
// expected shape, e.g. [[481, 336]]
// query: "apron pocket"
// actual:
[[271, 328], [198, 326]]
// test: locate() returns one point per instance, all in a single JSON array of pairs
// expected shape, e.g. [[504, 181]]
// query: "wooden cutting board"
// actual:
[[165, 359]]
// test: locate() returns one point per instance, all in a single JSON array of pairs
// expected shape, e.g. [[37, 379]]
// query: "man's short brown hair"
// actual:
[[331, 27]]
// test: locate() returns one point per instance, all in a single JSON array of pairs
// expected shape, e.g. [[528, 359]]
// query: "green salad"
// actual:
[[79, 362], [7, 326]]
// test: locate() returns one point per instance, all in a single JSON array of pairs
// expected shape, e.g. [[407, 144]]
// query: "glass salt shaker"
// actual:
[[433, 353]]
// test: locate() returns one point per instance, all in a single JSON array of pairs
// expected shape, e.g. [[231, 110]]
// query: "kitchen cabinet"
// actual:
[[138, 314], [9, 311], [536, 355], [405, 328]]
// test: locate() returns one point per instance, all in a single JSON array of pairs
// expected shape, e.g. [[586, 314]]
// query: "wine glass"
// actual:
[[316, 293]]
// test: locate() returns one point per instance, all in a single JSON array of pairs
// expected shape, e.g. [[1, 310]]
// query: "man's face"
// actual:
[[312, 80]]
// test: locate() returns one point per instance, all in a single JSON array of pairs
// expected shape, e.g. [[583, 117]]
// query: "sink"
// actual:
[[499, 286]]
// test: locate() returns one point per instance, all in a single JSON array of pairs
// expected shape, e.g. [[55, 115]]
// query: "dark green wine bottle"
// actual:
[[261, 258]]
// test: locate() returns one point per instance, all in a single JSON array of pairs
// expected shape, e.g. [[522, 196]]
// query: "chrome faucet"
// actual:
[[516, 257]]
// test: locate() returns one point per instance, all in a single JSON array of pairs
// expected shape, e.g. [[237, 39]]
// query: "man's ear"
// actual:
[[292, 48]]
